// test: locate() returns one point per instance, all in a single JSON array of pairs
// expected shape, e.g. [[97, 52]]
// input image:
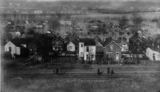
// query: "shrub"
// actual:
[[7, 55]]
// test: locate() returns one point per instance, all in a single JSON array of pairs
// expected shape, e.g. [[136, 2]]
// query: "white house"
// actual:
[[16, 47], [12, 48], [87, 49], [152, 54], [124, 48], [71, 47]]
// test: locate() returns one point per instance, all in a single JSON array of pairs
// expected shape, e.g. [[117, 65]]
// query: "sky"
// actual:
[[97, 0]]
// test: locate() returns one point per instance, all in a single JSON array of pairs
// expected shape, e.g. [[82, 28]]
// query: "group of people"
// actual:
[[109, 71]]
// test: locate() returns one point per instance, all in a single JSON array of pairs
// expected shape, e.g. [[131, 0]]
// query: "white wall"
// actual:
[[85, 53], [150, 52], [71, 47], [92, 50], [124, 48], [14, 49], [18, 52], [81, 49]]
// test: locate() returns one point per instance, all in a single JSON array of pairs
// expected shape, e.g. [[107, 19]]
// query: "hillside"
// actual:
[[113, 5], [148, 10]]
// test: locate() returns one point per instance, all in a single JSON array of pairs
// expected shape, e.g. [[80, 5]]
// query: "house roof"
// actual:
[[99, 47], [114, 43], [19, 41], [107, 41], [99, 44], [87, 41], [73, 41]]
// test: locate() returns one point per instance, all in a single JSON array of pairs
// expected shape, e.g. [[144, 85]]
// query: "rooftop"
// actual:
[[88, 41]]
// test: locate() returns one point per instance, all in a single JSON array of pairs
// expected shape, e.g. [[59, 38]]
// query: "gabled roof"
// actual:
[[120, 43], [19, 41], [99, 47], [87, 41], [114, 43], [107, 41], [99, 44], [73, 41]]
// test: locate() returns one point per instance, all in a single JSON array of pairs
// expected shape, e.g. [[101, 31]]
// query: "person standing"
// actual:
[[57, 70], [154, 58], [108, 70]]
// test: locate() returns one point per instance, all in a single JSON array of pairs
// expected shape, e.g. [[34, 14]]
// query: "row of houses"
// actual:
[[86, 49]]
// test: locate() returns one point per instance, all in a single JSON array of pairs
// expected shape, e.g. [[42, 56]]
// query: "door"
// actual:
[[10, 49], [88, 58], [117, 56]]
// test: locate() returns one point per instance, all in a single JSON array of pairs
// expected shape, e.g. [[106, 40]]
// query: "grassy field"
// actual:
[[137, 84], [137, 78]]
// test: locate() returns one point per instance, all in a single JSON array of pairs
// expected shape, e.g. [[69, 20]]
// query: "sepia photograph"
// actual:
[[80, 45]]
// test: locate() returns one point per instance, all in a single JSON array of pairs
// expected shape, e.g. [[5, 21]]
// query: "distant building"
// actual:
[[65, 22], [113, 51], [71, 47], [152, 54], [124, 46], [15, 34], [16, 48], [157, 43], [12, 48], [87, 49]]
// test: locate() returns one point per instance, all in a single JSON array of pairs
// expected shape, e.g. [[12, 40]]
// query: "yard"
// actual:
[[80, 78]]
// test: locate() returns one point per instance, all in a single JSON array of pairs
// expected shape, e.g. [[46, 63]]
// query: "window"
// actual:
[[87, 49], [81, 54], [111, 47], [87, 56], [92, 56], [81, 45]]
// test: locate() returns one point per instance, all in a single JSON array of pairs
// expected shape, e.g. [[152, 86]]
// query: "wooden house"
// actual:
[[16, 47], [71, 46], [153, 54], [112, 51], [87, 49]]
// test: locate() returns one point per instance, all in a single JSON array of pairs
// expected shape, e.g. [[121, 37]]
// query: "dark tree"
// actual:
[[137, 45], [44, 45], [71, 36], [57, 45], [48, 46], [31, 30]]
